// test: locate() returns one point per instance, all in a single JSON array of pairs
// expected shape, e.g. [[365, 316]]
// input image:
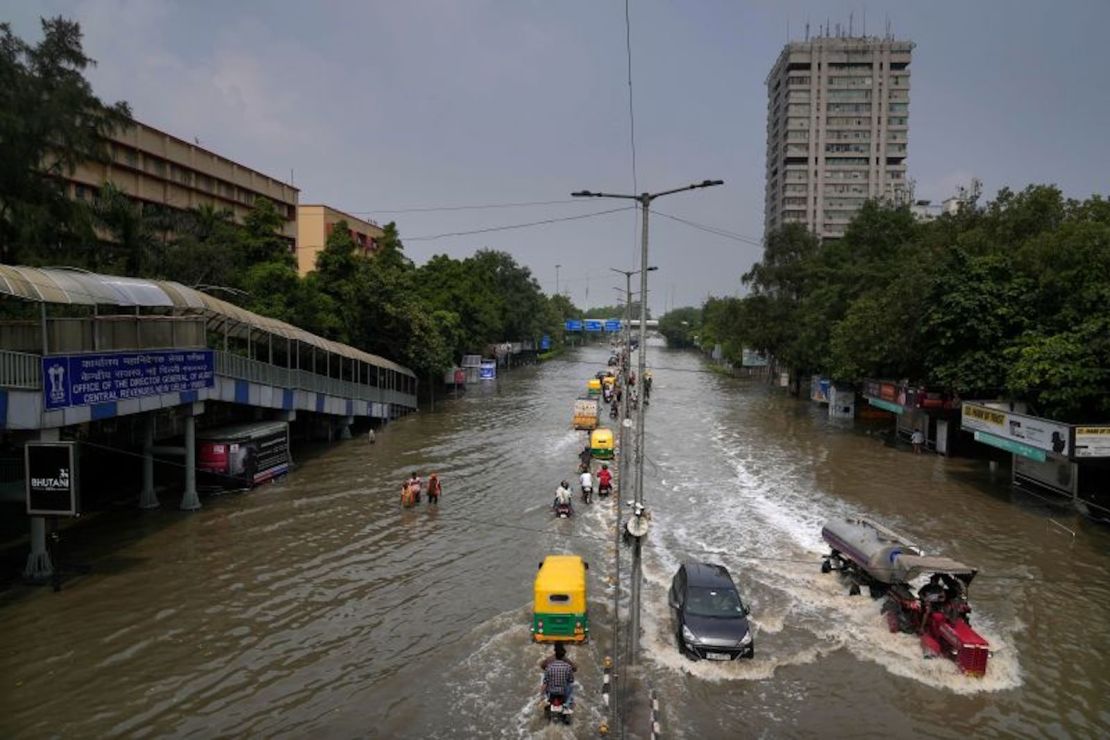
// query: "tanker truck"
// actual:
[[868, 554]]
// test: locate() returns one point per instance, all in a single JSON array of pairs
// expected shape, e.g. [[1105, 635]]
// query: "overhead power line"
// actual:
[[711, 229], [432, 237], [484, 206]]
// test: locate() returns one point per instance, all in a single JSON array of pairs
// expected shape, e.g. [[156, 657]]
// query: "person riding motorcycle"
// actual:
[[558, 677], [562, 495], [604, 481], [586, 482]]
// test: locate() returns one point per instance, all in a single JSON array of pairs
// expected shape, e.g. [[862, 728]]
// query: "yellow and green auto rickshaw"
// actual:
[[601, 444], [559, 612], [593, 387]]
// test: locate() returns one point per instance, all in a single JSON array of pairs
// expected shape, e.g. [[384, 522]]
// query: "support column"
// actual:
[[190, 501], [39, 567], [345, 427], [147, 498]]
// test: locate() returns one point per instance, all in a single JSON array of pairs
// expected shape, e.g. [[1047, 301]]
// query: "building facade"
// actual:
[[160, 171], [316, 222], [837, 130]]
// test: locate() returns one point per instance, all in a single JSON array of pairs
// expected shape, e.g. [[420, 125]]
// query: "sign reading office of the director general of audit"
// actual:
[[90, 379]]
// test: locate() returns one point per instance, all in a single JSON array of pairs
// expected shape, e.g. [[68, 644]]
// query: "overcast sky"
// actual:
[[382, 105]]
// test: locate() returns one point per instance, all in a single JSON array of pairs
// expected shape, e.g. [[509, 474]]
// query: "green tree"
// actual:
[[680, 326], [50, 122]]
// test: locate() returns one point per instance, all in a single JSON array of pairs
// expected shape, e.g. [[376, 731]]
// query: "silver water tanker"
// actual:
[[870, 546], [882, 554]]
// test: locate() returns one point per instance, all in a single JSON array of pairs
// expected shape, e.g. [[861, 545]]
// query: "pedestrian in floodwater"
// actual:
[[434, 488], [414, 486], [917, 439], [370, 437]]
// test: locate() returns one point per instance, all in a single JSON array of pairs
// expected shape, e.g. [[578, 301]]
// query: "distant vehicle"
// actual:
[[601, 443], [593, 387], [244, 455], [586, 411], [711, 621]]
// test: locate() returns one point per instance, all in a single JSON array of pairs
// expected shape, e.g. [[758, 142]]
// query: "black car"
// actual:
[[710, 619]]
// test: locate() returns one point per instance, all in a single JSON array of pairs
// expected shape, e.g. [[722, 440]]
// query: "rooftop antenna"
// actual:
[[850, 19], [807, 29], [865, 21]]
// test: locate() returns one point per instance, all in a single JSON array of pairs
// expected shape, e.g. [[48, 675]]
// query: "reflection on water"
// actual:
[[318, 606]]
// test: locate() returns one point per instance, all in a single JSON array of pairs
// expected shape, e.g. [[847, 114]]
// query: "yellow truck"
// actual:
[[586, 412]]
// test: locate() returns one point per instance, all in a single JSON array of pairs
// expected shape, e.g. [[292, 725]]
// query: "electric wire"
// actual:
[[480, 207], [711, 229], [509, 227]]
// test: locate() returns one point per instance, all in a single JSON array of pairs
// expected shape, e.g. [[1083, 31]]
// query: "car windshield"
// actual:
[[714, 602]]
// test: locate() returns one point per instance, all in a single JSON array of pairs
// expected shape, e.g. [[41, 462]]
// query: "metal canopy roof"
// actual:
[[77, 287]]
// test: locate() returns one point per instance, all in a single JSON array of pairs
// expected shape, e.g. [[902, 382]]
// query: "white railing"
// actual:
[[20, 370], [255, 371]]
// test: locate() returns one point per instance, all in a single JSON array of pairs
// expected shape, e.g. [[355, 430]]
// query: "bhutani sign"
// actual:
[[51, 473]]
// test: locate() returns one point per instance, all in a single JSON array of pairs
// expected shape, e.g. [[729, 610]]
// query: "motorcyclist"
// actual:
[[604, 480], [584, 457], [586, 482], [562, 494], [558, 677]]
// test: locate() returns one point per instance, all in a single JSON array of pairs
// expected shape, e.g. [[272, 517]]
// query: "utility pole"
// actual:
[[557, 279], [644, 199]]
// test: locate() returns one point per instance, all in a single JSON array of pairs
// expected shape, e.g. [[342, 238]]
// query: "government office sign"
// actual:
[[105, 377], [51, 475]]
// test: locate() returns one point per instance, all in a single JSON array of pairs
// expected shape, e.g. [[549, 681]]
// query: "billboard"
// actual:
[[1017, 428], [51, 474], [1091, 441], [104, 377]]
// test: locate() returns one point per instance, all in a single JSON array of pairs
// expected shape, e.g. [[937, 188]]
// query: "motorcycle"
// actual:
[[613, 411], [563, 511], [587, 493], [604, 489], [555, 711]]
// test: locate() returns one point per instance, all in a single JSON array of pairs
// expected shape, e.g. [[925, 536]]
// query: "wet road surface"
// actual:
[[317, 607]]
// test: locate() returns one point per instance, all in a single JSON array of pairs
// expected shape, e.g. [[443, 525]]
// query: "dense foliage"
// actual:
[[50, 122], [1006, 300]]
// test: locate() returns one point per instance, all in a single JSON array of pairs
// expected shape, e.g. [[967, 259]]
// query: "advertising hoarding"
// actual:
[[51, 478], [1091, 441], [104, 377], [1024, 430]]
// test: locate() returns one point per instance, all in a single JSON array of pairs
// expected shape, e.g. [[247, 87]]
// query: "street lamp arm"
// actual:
[[692, 186], [589, 194]]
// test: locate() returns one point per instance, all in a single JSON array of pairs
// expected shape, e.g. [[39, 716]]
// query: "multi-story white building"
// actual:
[[837, 130]]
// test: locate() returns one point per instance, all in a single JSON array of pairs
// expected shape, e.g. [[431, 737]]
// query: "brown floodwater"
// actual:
[[316, 607]]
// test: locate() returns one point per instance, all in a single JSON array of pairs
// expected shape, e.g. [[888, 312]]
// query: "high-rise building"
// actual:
[[837, 130]]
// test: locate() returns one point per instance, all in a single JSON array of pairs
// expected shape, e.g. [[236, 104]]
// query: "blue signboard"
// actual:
[[105, 377], [613, 325], [593, 324], [488, 370], [545, 342], [574, 325]]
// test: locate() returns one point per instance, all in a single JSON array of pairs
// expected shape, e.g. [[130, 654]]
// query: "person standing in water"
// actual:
[[434, 489]]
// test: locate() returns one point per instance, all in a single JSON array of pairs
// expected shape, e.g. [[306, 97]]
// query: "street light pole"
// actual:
[[644, 199], [557, 279]]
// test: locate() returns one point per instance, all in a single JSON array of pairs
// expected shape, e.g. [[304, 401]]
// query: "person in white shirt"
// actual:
[[562, 494], [587, 483]]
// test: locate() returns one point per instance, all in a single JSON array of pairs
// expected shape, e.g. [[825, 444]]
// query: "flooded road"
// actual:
[[316, 607]]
